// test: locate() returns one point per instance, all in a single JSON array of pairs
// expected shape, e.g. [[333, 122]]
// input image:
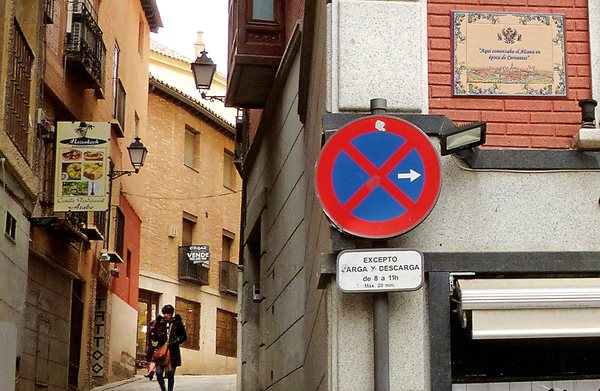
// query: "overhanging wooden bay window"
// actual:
[[257, 42]]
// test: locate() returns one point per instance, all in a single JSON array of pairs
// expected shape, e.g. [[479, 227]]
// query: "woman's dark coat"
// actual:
[[176, 338]]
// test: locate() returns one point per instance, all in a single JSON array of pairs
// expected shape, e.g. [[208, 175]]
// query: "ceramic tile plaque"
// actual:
[[508, 54]]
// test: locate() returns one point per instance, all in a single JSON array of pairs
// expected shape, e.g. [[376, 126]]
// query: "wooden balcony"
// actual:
[[257, 42]]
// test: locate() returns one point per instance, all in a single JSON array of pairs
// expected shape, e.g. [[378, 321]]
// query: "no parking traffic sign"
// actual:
[[378, 177]]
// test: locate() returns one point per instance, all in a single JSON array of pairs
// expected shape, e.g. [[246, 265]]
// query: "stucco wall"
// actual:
[[122, 339]]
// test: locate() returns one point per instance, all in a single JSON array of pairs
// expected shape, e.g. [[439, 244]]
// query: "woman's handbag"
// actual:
[[161, 354]]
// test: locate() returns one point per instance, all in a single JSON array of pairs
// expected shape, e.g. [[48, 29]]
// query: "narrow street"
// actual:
[[182, 383]]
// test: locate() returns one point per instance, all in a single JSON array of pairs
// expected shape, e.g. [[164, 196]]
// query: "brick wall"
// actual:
[[170, 188], [513, 122]]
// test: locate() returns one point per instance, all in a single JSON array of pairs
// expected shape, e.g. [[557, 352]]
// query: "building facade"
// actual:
[[57, 70], [189, 200], [515, 216]]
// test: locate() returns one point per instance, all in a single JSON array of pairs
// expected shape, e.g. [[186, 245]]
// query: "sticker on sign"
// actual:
[[379, 270]]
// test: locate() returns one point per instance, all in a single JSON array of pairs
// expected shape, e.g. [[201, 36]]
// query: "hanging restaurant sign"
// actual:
[[81, 173], [508, 54]]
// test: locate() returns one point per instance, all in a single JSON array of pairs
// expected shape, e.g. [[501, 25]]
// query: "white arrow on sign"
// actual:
[[412, 175]]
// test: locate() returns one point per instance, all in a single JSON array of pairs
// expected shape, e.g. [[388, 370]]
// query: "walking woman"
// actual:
[[168, 329]]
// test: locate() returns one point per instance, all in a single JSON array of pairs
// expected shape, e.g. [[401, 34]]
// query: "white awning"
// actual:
[[531, 308]]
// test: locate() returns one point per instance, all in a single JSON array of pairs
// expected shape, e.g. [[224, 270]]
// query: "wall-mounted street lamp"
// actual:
[[463, 138], [204, 70], [137, 156]]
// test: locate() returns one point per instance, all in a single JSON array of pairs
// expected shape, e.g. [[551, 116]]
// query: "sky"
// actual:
[[183, 18]]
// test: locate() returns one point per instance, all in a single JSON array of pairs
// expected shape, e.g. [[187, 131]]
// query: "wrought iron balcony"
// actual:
[[190, 269], [85, 49], [69, 226], [228, 277]]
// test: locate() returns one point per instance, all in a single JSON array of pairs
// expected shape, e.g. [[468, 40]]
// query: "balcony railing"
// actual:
[[228, 277], [20, 60], [191, 270], [85, 47]]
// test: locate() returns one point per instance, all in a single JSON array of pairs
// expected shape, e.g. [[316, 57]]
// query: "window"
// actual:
[[187, 232], [191, 147], [263, 10], [514, 329], [119, 94], [120, 233], [115, 77], [228, 170], [128, 270], [227, 243], [190, 314], [11, 226], [20, 61], [141, 36], [226, 333]]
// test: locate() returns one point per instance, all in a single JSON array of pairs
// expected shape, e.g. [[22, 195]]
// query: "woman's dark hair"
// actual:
[[168, 309]]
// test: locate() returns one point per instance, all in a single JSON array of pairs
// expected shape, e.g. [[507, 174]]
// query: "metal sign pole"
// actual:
[[378, 152], [381, 341]]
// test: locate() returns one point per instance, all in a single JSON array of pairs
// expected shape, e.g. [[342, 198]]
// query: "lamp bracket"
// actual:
[[116, 174], [212, 98]]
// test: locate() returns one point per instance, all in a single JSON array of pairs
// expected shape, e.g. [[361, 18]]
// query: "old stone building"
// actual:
[[513, 228]]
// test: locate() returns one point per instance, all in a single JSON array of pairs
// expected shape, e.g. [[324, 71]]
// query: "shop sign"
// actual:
[[508, 54], [198, 254], [98, 332], [81, 173]]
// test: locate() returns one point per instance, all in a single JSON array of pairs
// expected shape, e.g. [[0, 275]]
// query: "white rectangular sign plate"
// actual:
[[379, 270]]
